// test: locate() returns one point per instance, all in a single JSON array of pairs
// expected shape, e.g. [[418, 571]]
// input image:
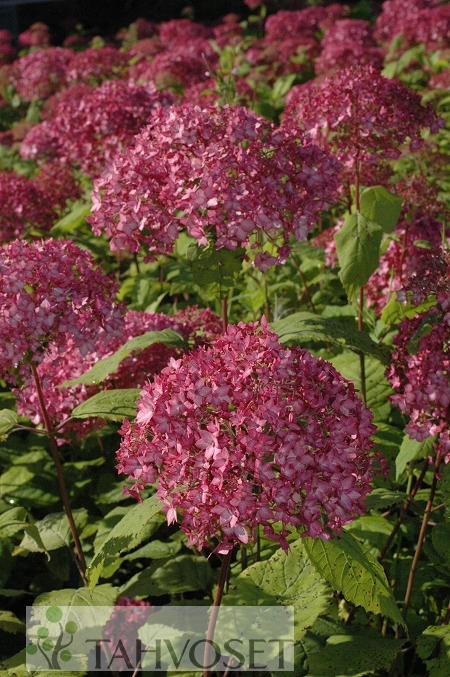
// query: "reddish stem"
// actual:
[[223, 576], [421, 539], [80, 561], [403, 512]]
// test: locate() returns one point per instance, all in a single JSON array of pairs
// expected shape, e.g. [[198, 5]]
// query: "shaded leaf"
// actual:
[[410, 451], [10, 623], [433, 647], [353, 655], [54, 531], [309, 327], [184, 573], [382, 498], [215, 268]]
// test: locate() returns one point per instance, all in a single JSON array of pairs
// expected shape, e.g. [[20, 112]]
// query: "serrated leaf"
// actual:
[[308, 326], [286, 579], [10, 623], [213, 267], [184, 573], [123, 536], [433, 647], [381, 206], [354, 572], [362, 653], [112, 405], [8, 420], [14, 520], [381, 498], [411, 450], [110, 364], [54, 531], [358, 249]]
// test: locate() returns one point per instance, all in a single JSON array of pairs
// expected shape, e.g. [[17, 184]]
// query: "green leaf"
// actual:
[[440, 537], [115, 516], [395, 311], [355, 573], [73, 220], [358, 249], [364, 652], [378, 388], [8, 420], [124, 536], [155, 550], [13, 478], [215, 268], [308, 326], [112, 405], [285, 579], [410, 451], [10, 623], [380, 498], [110, 364], [54, 531], [184, 573], [14, 520], [433, 647], [444, 485], [380, 206]]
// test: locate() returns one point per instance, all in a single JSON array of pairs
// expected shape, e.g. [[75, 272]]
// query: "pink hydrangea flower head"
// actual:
[[347, 43], [48, 291], [222, 172], [422, 22], [37, 35], [181, 30], [88, 131], [95, 65], [59, 185], [246, 433], [358, 113], [421, 362], [197, 326], [65, 97], [42, 73], [25, 206]]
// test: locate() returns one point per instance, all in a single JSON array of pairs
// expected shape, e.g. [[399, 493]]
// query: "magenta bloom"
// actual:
[[358, 113], [421, 362], [197, 326], [249, 432], [222, 172], [87, 130], [48, 291], [94, 66], [40, 74], [24, 205]]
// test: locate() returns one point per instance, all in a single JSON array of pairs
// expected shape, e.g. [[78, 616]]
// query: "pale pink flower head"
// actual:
[[220, 172], [50, 290], [40, 74], [358, 113], [248, 432]]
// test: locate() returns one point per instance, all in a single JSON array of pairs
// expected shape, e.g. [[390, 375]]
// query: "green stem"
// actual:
[[80, 561]]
